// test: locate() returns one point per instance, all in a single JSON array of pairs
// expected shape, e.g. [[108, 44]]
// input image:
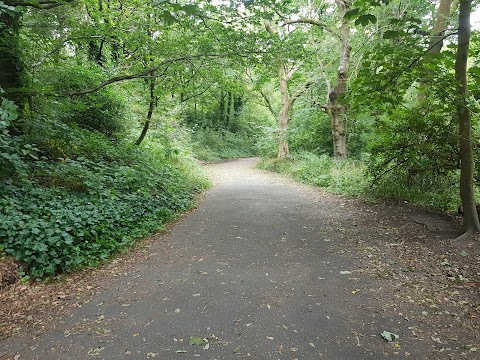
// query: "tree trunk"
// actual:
[[229, 110], [11, 65], [335, 108], [283, 115], [467, 166], [337, 113], [440, 25], [221, 119], [436, 40], [151, 107]]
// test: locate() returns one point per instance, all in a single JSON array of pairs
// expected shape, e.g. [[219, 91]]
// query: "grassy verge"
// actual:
[[351, 178], [214, 145]]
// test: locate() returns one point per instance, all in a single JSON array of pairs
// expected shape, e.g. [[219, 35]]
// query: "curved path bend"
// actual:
[[261, 270]]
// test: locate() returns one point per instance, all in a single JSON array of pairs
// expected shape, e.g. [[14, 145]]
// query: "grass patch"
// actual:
[[351, 178], [345, 177], [215, 145]]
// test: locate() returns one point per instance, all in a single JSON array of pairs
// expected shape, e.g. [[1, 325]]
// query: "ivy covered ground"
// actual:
[[71, 198]]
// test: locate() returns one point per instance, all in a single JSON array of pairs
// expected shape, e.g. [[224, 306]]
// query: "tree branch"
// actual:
[[147, 72], [111, 81], [293, 70], [416, 60], [387, 171], [268, 102], [197, 94], [298, 92], [318, 23]]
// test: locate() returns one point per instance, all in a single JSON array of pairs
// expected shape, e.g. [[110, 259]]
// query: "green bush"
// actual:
[[96, 199], [212, 145], [346, 177], [12, 152], [103, 110]]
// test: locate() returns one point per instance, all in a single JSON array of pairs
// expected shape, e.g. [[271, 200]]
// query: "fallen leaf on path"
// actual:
[[197, 340], [95, 351], [387, 335]]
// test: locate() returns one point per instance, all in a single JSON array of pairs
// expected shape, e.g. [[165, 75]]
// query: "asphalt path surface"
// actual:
[[257, 271]]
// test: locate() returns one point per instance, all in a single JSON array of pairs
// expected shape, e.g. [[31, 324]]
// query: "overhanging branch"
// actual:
[[148, 72], [318, 23]]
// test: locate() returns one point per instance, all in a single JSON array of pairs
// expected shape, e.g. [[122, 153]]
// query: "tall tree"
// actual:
[[436, 38], [335, 106], [287, 69], [467, 165], [285, 73]]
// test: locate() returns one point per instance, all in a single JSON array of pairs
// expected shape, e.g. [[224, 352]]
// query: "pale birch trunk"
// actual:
[[285, 73]]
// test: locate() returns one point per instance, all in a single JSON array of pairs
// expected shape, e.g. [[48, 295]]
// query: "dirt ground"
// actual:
[[363, 269]]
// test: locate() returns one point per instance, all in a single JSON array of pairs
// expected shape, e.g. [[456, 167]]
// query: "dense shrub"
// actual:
[[103, 111], [12, 152], [88, 197], [345, 177], [211, 145]]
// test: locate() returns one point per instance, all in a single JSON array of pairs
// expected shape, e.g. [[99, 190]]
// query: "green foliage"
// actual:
[[102, 111], [13, 154], [8, 112], [352, 178], [97, 199], [267, 143], [346, 177], [434, 191], [214, 145]]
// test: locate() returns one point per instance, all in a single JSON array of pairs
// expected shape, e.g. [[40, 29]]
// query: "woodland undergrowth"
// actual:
[[353, 178], [71, 198]]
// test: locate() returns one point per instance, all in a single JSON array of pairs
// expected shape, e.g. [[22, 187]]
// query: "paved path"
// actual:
[[257, 270]]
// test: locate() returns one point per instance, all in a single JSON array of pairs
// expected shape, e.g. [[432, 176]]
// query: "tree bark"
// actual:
[[439, 26], [471, 223], [436, 40], [229, 110], [151, 107], [336, 109], [221, 119], [283, 115], [285, 74]]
